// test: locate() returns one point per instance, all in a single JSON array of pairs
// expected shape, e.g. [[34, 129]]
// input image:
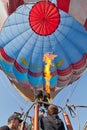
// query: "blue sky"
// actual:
[[11, 101]]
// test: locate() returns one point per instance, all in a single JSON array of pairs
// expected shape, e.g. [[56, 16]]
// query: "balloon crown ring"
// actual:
[[44, 18]]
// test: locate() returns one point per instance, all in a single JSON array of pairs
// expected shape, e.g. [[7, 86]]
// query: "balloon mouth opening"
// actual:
[[44, 18]]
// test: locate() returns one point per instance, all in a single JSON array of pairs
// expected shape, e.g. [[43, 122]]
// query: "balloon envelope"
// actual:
[[30, 32]]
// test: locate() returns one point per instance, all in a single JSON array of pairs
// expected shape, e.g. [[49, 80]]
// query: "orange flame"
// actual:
[[48, 58]]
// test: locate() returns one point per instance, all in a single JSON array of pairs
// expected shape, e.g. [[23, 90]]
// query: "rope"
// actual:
[[70, 92], [10, 92], [74, 88]]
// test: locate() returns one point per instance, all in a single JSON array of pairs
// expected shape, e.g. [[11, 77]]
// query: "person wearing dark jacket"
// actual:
[[13, 123], [52, 121]]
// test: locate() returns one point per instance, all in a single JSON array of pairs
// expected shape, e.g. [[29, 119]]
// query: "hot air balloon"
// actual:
[[31, 32]]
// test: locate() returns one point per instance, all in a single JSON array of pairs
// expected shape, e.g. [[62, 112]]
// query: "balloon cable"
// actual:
[[74, 87], [20, 104]]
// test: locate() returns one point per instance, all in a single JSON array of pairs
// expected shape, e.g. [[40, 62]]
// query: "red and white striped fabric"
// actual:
[[3, 13], [11, 5], [7, 7], [76, 8]]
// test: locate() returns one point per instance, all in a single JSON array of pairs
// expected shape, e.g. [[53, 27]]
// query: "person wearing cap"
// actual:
[[13, 123], [52, 121]]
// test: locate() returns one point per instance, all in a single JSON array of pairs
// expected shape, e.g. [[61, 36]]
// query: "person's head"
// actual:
[[52, 109], [13, 121]]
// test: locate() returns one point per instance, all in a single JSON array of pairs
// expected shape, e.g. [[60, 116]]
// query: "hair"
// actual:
[[52, 109]]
